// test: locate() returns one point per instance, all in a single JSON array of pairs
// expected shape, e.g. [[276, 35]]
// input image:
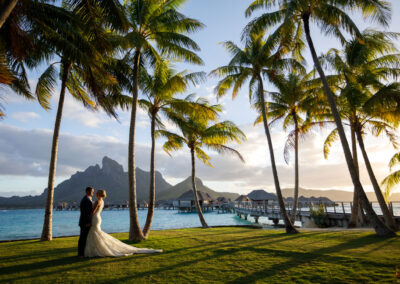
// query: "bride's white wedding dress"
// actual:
[[99, 243]]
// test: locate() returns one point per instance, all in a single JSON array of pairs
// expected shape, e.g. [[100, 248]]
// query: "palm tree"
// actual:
[[23, 44], [294, 18], [153, 23], [198, 132], [110, 11], [295, 97], [160, 90], [23, 24], [393, 179], [363, 67], [6, 11], [81, 73], [253, 63]]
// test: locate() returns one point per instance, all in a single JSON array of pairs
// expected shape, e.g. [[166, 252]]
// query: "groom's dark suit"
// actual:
[[85, 221]]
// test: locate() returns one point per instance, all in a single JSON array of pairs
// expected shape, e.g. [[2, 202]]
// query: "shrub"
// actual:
[[319, 217]]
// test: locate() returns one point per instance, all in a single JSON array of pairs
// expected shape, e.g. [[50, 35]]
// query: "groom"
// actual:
[[85, 219]]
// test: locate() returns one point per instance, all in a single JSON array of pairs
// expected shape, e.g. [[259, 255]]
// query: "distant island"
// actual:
[[112, 177]]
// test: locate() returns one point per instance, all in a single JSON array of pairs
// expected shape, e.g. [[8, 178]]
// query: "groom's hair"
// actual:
[[89, 189]]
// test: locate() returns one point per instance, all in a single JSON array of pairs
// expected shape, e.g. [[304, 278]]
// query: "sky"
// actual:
[[86, 137]]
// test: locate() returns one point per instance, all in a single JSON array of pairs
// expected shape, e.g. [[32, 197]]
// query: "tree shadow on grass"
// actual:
[[35, 255], [301, 258], [224, 248], [221, 251]]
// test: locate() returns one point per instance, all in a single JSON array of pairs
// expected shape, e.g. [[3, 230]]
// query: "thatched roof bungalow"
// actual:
[[223, 200], [261, 195], [187, 201], [242, 198]]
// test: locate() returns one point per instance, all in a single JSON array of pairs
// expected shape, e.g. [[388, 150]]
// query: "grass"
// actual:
[[231, 255]]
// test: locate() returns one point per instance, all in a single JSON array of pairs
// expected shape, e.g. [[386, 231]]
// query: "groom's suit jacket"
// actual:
[[86, 211]]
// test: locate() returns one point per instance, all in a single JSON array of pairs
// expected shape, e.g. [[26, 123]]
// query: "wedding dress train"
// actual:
[[99, 243]]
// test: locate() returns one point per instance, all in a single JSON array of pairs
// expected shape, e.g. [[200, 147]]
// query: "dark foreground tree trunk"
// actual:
[[380, 227], [288, 224], [296, 168], [389, 220], [355, 210], [152, 193], [47, 234], [5, 13], [135, 233], [196, 197]]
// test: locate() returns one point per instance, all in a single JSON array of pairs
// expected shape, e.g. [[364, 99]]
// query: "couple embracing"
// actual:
[[92, 240]]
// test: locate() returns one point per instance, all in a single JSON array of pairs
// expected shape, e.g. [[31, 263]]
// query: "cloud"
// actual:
[[27, 152], [25, 116]]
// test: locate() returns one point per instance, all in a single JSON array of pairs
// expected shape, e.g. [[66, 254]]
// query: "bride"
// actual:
[[100, 243]]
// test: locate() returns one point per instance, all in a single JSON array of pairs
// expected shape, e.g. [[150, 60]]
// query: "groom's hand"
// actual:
[[87, 225]]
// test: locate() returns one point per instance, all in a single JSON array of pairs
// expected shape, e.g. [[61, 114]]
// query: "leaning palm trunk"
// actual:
[[196, 197], [7, 11], [355, 210], [380, 228], [135, 233], [152, 193], [47, 234], [288, 225], [389, 220], [296, 169]]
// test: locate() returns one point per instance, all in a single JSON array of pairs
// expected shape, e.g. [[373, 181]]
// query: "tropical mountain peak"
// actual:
[[109, 166]]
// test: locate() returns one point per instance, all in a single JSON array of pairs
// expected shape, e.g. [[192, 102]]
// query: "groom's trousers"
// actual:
[[82, 240]]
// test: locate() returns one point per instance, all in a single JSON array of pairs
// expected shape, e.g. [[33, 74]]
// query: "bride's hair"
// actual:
[[102, 193]]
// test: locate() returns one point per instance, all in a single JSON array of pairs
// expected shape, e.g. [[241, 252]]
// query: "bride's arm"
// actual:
[[95, 207]]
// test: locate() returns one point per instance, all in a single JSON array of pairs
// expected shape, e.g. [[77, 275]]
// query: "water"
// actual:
[[27, 223]]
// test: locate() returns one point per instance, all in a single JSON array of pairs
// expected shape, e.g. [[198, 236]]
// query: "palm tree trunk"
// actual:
[[135, 233], [196, 197], [389, 220], [380, 228], [47, 234], [288, 225], [150, 212], [7, 11], [353, 223], [296, 168]]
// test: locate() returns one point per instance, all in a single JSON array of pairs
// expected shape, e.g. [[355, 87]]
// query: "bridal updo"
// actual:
[[101, 193]]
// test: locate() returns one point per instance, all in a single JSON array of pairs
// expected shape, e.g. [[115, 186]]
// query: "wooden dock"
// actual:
[[309, 214]]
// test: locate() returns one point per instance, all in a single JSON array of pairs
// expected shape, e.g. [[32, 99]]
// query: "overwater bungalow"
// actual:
[[260, 197], [186, 202], [161, 203], [243, 199], [142, 204], [222, 200]]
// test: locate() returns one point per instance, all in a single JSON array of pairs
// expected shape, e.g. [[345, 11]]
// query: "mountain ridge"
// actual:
[[185, 185], [110, 176]]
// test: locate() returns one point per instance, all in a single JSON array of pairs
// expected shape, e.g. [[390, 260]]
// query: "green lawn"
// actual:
[[231, 255]]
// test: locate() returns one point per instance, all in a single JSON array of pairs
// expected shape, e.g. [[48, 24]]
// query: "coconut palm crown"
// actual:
[[160, 90], [199, 131], [292, 22], [259, 59], [155, 28], [293, 104], [364, 68]]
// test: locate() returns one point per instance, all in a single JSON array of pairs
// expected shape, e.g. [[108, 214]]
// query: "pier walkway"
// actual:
[[323, 214]]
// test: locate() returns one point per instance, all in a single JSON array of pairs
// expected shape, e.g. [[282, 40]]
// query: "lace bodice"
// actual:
[[96, 219]]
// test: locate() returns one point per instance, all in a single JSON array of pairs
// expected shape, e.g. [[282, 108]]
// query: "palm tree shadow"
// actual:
[[301, 258]]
